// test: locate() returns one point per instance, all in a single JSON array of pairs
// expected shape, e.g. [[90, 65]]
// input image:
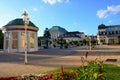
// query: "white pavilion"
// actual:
[[14, 36]]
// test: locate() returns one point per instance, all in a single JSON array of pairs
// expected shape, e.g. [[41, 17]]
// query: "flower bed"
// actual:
[[30, 77], [8, 78]]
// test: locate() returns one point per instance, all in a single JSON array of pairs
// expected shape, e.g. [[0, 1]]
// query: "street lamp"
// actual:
[[26, 22], [89, 38], [90, 42]]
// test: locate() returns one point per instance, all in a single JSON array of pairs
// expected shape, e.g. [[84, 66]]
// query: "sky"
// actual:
[[73, 15]]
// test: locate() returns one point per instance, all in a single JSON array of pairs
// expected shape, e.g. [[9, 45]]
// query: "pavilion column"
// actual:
[[4, 47], [10, 42], [28, 41], [19, 41], [36, 42]]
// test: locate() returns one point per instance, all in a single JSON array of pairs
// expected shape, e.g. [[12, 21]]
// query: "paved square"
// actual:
[[12, 64]]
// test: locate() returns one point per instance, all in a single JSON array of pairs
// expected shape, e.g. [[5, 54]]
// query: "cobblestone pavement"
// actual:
[[12, 64]]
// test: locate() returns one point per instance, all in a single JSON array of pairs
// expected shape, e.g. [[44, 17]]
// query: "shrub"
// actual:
[[92, 71]]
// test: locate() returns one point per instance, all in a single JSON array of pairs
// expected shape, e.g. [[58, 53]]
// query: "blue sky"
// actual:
[[73, 15]]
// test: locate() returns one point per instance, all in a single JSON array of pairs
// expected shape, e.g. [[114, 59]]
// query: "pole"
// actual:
[[90, 42], [26, 22], [9, 42], [26, 43]]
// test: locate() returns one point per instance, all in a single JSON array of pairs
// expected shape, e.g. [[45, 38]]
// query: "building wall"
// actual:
[[73, 36], [14, 40], [56, 34], [72, 39], [109, 35]]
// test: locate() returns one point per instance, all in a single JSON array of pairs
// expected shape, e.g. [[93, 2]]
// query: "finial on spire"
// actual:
[[25, 13]]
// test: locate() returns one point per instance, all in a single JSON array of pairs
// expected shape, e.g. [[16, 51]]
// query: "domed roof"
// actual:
[[102, 26], [57, 28], [19, 21]]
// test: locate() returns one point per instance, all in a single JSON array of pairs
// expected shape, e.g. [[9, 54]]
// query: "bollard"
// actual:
[[86, 54]]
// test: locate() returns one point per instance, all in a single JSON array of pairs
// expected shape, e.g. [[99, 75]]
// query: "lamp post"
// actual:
[[90, 42], [26, 22]]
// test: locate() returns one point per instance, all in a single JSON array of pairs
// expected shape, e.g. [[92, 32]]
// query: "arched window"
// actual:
[[7, 36], [32, 40], [22, 39], [14, 40]]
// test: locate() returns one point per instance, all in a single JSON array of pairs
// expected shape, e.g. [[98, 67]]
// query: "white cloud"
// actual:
[[110, 21], [35, 9], [111, 10], [114, 9], [50, 1], [102, 13], [55, 1]]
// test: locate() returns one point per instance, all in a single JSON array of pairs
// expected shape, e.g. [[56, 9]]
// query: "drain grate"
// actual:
[[111, 60]]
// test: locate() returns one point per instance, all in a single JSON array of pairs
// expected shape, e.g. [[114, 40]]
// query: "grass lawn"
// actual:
[[112, 72]]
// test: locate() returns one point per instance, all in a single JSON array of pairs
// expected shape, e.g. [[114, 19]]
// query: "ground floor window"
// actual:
[[14, 44], [23, 43], [32, 40]]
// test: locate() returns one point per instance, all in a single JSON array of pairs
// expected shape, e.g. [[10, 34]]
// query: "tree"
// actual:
[[62, 42], [1, 39], [93, 41], [84, 41], [47, 33], [47, 36], [39, 40]]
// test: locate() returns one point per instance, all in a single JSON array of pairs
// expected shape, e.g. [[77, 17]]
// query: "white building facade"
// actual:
[[57, 31], [108, 34], [14, 36], [73, 36]]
